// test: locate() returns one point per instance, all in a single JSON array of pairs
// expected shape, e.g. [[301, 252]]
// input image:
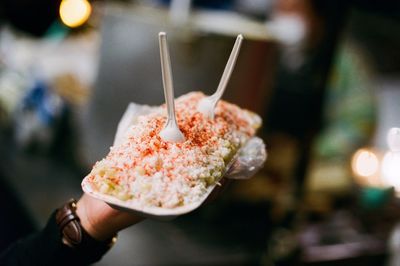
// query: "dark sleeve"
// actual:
[[46, 248]]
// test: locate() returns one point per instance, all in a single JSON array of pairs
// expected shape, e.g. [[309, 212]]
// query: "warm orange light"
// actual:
[[365, 163], [74, 13]]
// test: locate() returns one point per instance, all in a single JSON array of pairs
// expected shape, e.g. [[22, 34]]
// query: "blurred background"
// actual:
[[324, 75]]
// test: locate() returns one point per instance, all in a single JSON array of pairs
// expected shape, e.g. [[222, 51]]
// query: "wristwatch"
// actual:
[[74, 235]]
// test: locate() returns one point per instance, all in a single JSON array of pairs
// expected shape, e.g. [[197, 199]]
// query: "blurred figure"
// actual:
[[308, 32], [322, 109], [324, 104], [349, 122]]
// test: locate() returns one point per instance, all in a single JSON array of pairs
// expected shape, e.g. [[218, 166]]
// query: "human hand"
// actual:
[[102, 221]]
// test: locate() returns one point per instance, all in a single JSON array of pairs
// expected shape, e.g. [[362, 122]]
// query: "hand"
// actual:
[[100, 220]]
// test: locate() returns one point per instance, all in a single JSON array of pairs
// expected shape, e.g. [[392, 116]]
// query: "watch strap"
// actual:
[[73, 234]]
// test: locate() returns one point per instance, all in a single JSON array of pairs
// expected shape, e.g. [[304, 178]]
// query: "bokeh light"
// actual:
[[365, 163], [74, 13], [391, 170]]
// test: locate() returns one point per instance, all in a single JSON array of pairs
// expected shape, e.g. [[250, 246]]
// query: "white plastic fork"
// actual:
[[207, 104], [171, 131]]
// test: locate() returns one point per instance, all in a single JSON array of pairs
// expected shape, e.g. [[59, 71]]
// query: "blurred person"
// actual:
[[323, 89], [349, 116], [322, 104], [322, 108], [307, 32]]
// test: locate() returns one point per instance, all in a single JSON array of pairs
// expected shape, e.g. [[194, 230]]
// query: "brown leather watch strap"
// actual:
[[68, 222], [73, 234]]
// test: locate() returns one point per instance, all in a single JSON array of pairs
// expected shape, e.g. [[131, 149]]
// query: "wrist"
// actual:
[[96, 221], [74, 235], [100, 220]]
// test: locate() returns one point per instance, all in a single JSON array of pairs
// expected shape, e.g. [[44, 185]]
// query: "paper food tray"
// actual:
[[130, 118]]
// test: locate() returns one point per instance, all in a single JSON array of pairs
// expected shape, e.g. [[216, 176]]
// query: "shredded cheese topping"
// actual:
[[152, 172]]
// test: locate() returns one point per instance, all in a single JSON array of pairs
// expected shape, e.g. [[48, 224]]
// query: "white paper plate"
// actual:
[[129, 118], [145, 211]]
